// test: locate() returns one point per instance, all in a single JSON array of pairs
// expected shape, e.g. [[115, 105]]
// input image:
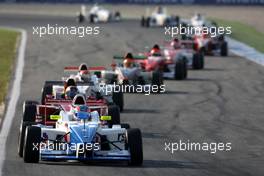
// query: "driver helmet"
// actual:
[[175, 43], [69, 82], [84, 72], [155, 51], [128, 60], [70, 92]]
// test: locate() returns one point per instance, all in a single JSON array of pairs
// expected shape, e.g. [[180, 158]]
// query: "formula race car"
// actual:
[[97, 14], [155, 59], [83, 135], [184, 50], [129, 72], [198, 20], [211, 45], [159, 18], [92, 76], [35, 113]]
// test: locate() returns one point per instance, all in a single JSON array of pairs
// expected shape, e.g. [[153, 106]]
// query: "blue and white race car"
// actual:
[[81, 134]]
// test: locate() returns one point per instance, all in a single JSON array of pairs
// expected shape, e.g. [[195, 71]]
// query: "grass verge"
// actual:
[[8, 41], [244, 33]]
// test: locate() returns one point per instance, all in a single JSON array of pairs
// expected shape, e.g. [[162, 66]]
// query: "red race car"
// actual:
[[155, 60]]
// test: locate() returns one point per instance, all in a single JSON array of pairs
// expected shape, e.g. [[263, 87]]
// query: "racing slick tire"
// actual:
[[134, 145], [197, 61], [80, 18], [143, 21], [114, 112], [224, 49], [29, 112], [179, 72], [147, 22], [32, 144], [202, 60], [185, 68], [157, 79], [47, 90], [21, 137], [118, 99], [92, 18]]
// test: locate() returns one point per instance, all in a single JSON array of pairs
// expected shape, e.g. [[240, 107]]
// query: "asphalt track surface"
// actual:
[[222, 103]]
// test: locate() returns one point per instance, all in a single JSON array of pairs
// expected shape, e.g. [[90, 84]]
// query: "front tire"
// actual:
[[32, 139], [135, 146], [21, 137]]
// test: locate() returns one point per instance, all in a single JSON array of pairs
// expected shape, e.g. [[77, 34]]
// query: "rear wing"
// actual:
[[61, 83], [136, 57], [76, 69], [73, 70]]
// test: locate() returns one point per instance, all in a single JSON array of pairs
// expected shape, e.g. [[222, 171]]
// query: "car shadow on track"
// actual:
[[213, 69], [146, 164], [172, 92], [153, 135], [173, 164]]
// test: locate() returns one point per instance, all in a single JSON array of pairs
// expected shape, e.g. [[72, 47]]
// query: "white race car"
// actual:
[[198, 20], [82, 135], [97, 14], [92, 77], [159, 18]]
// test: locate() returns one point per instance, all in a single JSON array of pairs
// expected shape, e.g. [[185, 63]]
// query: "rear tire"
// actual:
[[92, 18], [197, 64], [134, 144], [29, 112], [32, 139], [147, 22], [179, 72], [185, 69], [47, 90], [114, 112], [80, 18], [157, 79], [143, 21], [118, 99], [202, 60], [224, 49]]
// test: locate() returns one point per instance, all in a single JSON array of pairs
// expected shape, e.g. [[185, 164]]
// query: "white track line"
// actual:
[[243, 50], [14, 95]]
